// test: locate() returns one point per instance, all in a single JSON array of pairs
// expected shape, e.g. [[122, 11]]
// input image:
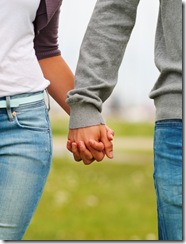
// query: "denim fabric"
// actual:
[[168, 178], [25, 160]]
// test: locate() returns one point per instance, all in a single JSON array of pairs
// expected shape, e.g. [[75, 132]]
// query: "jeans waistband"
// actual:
[[15, 101], [10, 102]]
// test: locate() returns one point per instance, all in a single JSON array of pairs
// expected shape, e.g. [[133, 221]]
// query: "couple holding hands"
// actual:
[[31, 62]]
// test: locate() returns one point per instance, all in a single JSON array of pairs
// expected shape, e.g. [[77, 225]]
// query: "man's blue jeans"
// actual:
[[25, 159], [168, 178]]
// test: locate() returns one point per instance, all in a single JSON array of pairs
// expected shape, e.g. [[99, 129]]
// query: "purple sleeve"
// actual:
[[46, 40]]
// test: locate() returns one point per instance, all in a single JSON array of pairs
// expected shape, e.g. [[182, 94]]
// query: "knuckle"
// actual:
[[82, 149]]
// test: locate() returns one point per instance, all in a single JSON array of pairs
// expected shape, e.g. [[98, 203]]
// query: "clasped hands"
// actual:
[[91, 143]]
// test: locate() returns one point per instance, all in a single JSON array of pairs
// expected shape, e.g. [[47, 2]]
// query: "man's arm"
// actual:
[[100, 57]]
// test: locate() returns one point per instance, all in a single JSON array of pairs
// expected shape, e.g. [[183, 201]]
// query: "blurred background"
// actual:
[[113, 199]]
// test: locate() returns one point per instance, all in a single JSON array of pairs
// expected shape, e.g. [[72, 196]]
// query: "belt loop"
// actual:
[[8, 109], [48, 99]]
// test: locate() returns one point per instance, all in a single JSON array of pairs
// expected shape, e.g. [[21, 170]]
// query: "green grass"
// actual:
[[103, 201], [132, 129], [59, 126], [121, 127], [110, 200]]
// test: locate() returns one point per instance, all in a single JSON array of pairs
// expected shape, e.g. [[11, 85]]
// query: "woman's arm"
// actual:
[[61, 79]]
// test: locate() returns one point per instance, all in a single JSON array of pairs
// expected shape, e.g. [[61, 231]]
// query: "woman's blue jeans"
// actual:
[[25, 159], [168, 178]]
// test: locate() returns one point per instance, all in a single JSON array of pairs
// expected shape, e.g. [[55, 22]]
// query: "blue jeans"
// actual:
[[168, 178], [25, 159]]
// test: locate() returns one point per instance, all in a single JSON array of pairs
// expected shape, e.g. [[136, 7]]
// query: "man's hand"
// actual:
[[90, 143]]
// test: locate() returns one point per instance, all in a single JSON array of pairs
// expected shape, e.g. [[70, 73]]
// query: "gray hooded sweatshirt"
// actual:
[[102, 51]]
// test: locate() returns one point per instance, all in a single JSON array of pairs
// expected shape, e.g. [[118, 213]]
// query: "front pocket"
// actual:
[[32, 116]]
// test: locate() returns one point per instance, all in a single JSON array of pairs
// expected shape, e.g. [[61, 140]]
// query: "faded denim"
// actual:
[[25, 160], [168, 178]]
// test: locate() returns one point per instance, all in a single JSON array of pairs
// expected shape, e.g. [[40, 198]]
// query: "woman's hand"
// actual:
[[91, 143]]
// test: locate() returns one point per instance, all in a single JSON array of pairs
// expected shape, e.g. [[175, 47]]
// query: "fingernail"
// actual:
[[111, 154], [111, 136], [91, 141], [80, 144]]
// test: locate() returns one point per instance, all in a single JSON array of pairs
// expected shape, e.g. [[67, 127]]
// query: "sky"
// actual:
[[137, 72]]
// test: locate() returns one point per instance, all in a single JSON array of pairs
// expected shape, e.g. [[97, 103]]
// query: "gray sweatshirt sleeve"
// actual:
[[101, 53]]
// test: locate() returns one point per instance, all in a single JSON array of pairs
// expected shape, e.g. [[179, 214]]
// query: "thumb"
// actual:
[[110, 133], [107, 143]]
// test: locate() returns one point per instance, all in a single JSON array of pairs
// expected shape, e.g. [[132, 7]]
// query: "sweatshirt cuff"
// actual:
[[84, 115]]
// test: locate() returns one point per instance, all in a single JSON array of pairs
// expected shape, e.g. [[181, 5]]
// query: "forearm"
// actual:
[[61, 79]]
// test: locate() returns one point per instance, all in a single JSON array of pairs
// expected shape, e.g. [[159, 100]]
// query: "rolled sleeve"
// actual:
[[46, 40], [84, 116]]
